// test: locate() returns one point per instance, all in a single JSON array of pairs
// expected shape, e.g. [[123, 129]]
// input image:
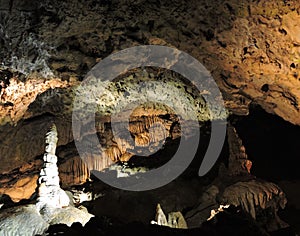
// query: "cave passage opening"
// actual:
[[272, 144]]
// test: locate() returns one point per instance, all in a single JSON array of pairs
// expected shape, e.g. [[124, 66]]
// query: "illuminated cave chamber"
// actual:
[[250, 47], [153, 126], [137, 118]]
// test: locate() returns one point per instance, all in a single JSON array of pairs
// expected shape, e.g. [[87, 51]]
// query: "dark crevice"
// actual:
[[271, 143]]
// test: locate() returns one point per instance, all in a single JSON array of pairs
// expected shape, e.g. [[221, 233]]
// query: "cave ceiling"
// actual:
[[251, 49]]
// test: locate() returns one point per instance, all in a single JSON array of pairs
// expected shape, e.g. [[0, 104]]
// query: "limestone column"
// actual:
[[49, 192]]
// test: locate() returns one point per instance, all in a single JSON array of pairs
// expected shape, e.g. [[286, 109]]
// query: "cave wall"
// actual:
[[252, 49]]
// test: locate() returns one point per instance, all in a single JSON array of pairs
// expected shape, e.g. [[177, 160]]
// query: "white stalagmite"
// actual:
[[52, 206], [175, 219], [50, 193]]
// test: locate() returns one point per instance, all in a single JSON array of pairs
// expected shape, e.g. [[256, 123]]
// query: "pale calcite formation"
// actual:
[[53, 205], [175, 219], [214, 212], [23, 220], [49, 192]]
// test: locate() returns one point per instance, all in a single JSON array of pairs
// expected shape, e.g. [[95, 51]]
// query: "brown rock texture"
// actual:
[[21, 183], [238, 160], [17, 97], [73, 172], [24, 142], [250, 48], [254, 194], [23, 188]]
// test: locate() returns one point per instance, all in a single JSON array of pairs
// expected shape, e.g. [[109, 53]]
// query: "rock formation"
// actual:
[[251, 48], [73, 171], [175, 219], [243, 45], [49, 191], [238, 162], [23, 220], [255, 197], [52, 206], [237, 187]]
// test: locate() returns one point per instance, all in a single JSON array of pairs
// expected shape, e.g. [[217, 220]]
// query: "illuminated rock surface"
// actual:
[[46, 48], [251, 49], [49, 192], [53, 204]]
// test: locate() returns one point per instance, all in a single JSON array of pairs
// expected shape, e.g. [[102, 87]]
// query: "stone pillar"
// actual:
[[49, 192]]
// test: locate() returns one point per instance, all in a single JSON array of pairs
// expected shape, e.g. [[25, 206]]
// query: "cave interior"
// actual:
[[85, 154]]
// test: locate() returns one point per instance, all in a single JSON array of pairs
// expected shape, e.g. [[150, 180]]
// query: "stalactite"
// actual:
[[142, 139], [96, 162], [118, 144]]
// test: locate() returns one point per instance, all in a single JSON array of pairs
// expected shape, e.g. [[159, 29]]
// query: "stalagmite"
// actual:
[[175, 219], [52, 205], [49, 192], [239, 164], [160, 216]]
